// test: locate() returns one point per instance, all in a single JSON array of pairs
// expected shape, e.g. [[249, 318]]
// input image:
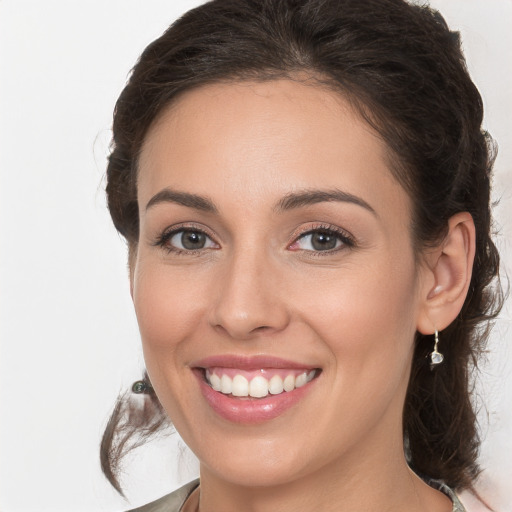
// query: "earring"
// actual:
[[435, 356], [141, 387]]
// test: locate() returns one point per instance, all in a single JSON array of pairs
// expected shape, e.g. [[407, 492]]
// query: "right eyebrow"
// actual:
[[183, 198], [313, 196]]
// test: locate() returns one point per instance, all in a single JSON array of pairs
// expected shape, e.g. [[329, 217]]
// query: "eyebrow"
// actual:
[[290, 201], [183, 198], [310, 197]]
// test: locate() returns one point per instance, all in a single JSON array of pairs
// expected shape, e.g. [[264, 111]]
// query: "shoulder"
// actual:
[[170, 502]]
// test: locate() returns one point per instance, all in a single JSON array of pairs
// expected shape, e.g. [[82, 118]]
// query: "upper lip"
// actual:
[[243, 362]]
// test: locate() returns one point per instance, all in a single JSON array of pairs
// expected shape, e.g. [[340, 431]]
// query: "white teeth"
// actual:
[[301, 379], [215, 381], [240, 386], [258, 386], [289, 383], [275, 385], [226, 385]]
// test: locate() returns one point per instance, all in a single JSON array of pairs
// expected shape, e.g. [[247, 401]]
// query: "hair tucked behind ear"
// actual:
[[404, 71]]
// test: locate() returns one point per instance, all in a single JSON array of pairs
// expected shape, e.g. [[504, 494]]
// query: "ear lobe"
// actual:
[[449, 275]]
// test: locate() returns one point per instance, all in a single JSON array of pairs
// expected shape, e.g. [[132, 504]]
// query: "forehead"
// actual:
[[268, 137]]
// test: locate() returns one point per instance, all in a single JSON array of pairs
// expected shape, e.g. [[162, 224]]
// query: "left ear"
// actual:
[[447, 275]]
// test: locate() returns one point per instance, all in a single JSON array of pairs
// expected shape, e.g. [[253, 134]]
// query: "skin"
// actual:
[[258, 287]]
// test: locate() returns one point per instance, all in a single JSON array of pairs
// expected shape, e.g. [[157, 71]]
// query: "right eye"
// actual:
[[186, 240]]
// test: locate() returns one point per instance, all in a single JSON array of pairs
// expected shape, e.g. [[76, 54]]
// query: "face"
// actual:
[[274, 283]]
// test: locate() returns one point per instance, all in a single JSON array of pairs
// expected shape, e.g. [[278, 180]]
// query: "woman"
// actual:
[[304, 189]]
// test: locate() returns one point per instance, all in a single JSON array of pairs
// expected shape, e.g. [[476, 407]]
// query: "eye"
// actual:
[[319, 241], [186, 240], [322, 240]]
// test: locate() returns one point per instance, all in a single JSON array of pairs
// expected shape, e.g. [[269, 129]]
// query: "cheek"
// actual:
[[167, 304], [168, 311], [366, 314], [366, 321]]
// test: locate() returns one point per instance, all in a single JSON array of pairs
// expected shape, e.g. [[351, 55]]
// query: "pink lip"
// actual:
[[249, 410], [249, 362]]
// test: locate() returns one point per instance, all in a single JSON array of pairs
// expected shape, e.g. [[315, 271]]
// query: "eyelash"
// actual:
[[163, 239], [346, 239], [343, 236]]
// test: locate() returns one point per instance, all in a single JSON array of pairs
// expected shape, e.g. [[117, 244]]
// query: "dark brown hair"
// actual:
[[403, 70]]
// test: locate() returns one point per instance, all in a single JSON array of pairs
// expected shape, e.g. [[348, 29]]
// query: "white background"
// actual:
[[69, 340]]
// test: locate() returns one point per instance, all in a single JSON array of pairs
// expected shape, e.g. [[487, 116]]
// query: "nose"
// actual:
[[248, 299]]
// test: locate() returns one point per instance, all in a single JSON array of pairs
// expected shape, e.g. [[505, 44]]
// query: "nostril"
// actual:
[[242, 331], [262, 328]]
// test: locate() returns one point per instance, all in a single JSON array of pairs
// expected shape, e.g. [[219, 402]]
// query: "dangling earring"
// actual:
[[141, 387], [435, 356]]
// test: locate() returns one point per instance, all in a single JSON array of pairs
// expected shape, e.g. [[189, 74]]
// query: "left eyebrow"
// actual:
[[183, 198], [313, 196]]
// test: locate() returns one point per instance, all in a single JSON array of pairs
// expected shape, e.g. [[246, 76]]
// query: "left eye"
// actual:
[[319, 241], [190, 240]]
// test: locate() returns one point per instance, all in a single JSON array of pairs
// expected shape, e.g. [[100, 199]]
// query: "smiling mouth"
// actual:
[[257, 383]]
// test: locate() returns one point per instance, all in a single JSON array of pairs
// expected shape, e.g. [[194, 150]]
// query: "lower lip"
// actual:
[[249, 410]]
